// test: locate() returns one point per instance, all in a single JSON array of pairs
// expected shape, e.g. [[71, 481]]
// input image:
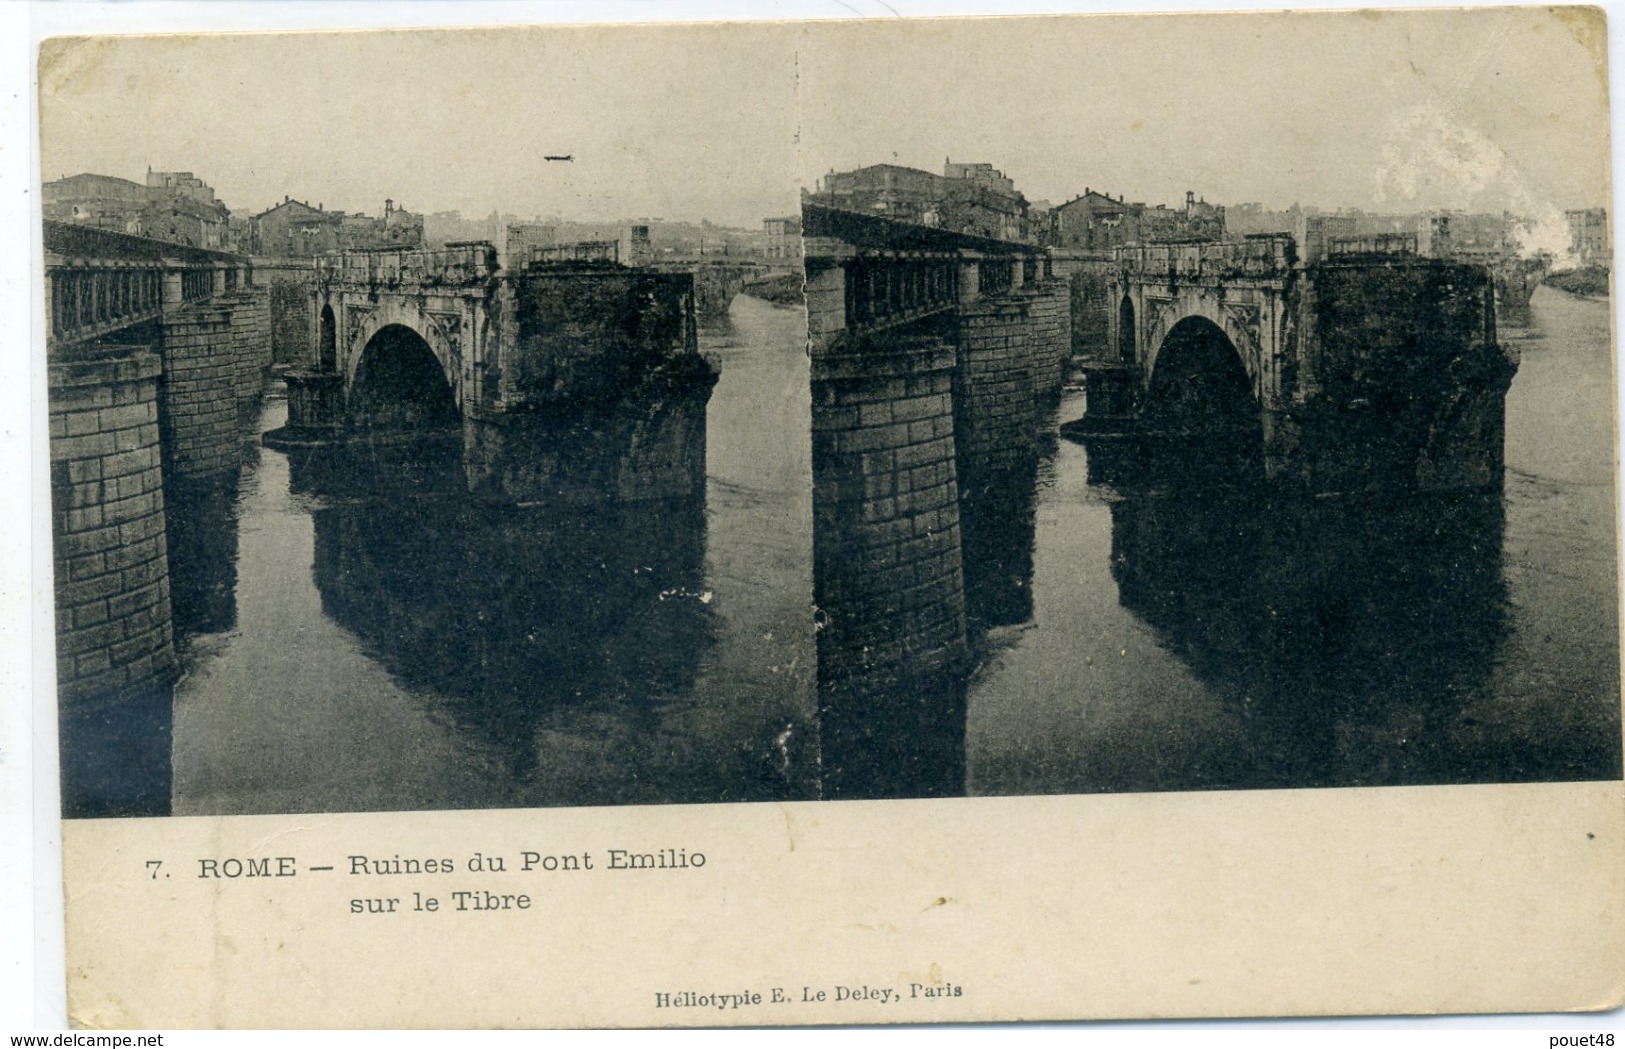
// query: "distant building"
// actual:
[[981, 174], [979, 199], [905, 194], [174, 206], [181, 219], [398, 228], [402, 227], [101, 201], [1100, 222], [783, 237], [631, 248], [1096, 222], [1040, 222], [181, 183], [1373, 244], [1253, 217], [519, 237], [1200, 220], [183, 208], [970, 198], [634, 248], [240, 234], [1316, 234], [294, 228], [1588, 236]]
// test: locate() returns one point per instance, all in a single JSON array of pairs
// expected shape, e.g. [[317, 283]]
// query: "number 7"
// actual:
[[153, 866]]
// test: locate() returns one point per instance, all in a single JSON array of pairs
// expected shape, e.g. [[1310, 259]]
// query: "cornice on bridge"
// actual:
[[824, 227], [67, 240]]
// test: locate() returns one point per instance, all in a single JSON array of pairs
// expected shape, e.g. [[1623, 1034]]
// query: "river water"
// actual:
[[1189, 638], [352, 646]]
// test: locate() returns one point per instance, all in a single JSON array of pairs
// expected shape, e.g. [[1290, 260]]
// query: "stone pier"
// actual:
[[1365, 370], [886, 529], [1049, 314], [153, 349], [251, 344], [315, 407], [887, 568], [649, 446], [115, 653], [995, 424], [197, 400], [285, 285], [933, 353]]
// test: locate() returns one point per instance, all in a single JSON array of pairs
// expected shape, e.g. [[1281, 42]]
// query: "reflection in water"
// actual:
[[892, 703], [996, 527], [1147, 614], [1133, 626], [398, 644], [202, 534], [892, 734], [115, 753], [1323, 621], [505, 615], [1194, 631]]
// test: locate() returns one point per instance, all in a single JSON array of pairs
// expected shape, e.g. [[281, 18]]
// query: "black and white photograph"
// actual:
[[600, 422], [479, 475], [1211, 438], [411, 457]]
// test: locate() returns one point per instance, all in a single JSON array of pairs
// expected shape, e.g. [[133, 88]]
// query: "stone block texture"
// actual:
[[888, 573], [996, 420], [197, 399], [1049, 312], [250, 344], [113, 620]]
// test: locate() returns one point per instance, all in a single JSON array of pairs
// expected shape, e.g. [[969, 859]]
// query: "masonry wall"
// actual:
[[888, 572], [584, 337], [714, 289], [1092, 308], [250, 343], [259, 316], [115, 650], [1405, 384], [888, 575], [288, 305], [649, 446], [315, 403], [1088, 278], [1050, 333], [825, 292], [996, 423], [197, 399], [665, 443]]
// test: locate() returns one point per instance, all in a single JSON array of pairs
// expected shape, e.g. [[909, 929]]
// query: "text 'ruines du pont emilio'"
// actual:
[[454, 896]]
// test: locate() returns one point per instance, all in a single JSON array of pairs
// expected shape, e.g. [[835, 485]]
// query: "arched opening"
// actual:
[[327, 349], [399, 385], [1201, 397], [1199, 383], [1125, 331]]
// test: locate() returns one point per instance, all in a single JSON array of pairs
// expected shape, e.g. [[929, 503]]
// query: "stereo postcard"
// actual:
[[916, 520]]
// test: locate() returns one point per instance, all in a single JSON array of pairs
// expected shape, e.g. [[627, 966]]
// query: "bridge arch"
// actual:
[[1238, 319], [394, 313], [398, 383], [1200, 382]]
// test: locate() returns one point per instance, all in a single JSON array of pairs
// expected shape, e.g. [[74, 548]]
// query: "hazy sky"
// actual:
[[1499, 108], [1483, 110], [677, 122]]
